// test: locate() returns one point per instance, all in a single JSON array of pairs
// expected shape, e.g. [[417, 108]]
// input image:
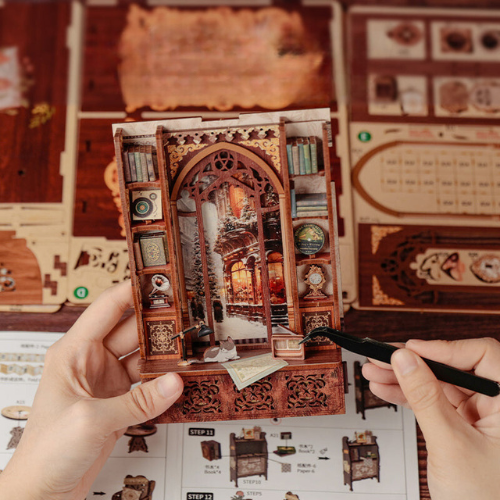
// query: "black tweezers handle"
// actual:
[[442, 372], [463, 379]]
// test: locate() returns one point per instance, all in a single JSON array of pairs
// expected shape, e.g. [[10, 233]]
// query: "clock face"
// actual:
[[315, 278]]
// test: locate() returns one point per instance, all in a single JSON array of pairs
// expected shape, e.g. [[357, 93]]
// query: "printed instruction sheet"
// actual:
[[280, 459]]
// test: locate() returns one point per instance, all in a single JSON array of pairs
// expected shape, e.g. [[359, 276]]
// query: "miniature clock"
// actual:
[[315, 279]]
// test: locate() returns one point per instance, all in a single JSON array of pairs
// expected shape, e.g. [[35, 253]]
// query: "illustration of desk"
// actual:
[[248, 457], [360, 460]]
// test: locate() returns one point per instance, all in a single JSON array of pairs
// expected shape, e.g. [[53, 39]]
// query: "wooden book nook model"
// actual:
[[224, 221]]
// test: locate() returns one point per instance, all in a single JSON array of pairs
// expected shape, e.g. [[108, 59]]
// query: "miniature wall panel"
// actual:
[[33, 101], [432, 267], [449, 71], [295, 43]]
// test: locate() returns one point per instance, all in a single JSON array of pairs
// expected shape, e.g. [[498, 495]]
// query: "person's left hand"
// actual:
[[84, 404]]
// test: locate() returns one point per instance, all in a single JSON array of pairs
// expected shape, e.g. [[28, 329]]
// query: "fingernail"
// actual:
[[416, 341], [169, 384], [404, 361]]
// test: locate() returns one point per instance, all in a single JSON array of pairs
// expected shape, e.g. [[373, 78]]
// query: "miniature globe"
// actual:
[[309, 239]]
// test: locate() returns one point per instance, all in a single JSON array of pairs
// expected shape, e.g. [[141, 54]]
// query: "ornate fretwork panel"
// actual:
[[160, 335], [264, 139], [225, 166], [306, 391], [202, 397], [258, 396], [284, 394], [315, 319]]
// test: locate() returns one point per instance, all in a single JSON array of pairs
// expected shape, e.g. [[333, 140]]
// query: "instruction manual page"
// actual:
[[368, 453]]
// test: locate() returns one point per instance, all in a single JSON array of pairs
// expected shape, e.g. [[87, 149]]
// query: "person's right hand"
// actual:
[[461, 428]]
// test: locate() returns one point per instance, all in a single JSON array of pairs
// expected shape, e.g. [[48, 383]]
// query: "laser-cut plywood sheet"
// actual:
[[425, 159], [59, 201], [221, 58], [422, 135]]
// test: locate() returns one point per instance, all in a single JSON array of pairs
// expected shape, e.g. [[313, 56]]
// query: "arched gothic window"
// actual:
[[230, 197]]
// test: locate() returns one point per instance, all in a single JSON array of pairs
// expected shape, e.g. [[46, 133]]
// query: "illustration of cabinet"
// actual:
[[248, 457], [365, 399], [360, 460]]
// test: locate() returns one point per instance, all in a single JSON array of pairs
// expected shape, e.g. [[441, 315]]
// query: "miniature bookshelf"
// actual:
[[215, 224], [313, 184]]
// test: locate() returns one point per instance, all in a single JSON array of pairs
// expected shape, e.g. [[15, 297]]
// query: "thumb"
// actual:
[[435, 414], [142, 403]]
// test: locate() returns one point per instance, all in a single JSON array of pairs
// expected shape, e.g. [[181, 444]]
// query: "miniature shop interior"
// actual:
[[257, 169], [228, 187]]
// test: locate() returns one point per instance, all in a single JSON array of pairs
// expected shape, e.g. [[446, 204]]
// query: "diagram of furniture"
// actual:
[[136, 488], [211, 450], [283, 450], [138, 434], [365, 399], [360, 458], [248, 457]]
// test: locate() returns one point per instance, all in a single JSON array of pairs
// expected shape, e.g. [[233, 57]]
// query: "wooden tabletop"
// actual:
[[381, 325]]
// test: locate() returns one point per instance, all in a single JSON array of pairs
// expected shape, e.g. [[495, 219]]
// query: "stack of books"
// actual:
[[141, 164], [308, 204], [302, 155]]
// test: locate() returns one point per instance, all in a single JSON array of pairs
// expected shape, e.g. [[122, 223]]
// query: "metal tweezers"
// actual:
[[382, 352]]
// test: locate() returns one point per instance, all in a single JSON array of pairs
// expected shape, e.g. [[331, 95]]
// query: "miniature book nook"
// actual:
[[232, 236]]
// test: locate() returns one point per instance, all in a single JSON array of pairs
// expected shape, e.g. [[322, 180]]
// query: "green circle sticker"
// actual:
[[81, 292], [364, 136]]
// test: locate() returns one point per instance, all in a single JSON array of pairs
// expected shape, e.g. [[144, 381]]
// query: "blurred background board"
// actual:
[[425, 157], [405, 86], [61, 241], [34, 192], [130, 61], [34, 68]]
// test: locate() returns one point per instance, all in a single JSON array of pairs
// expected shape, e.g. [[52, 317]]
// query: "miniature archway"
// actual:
[[232, 192]]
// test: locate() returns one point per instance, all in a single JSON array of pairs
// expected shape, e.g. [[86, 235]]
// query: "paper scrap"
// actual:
[[245, 372]]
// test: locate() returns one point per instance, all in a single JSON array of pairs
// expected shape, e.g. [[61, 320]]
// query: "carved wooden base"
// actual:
[[303, 388]]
